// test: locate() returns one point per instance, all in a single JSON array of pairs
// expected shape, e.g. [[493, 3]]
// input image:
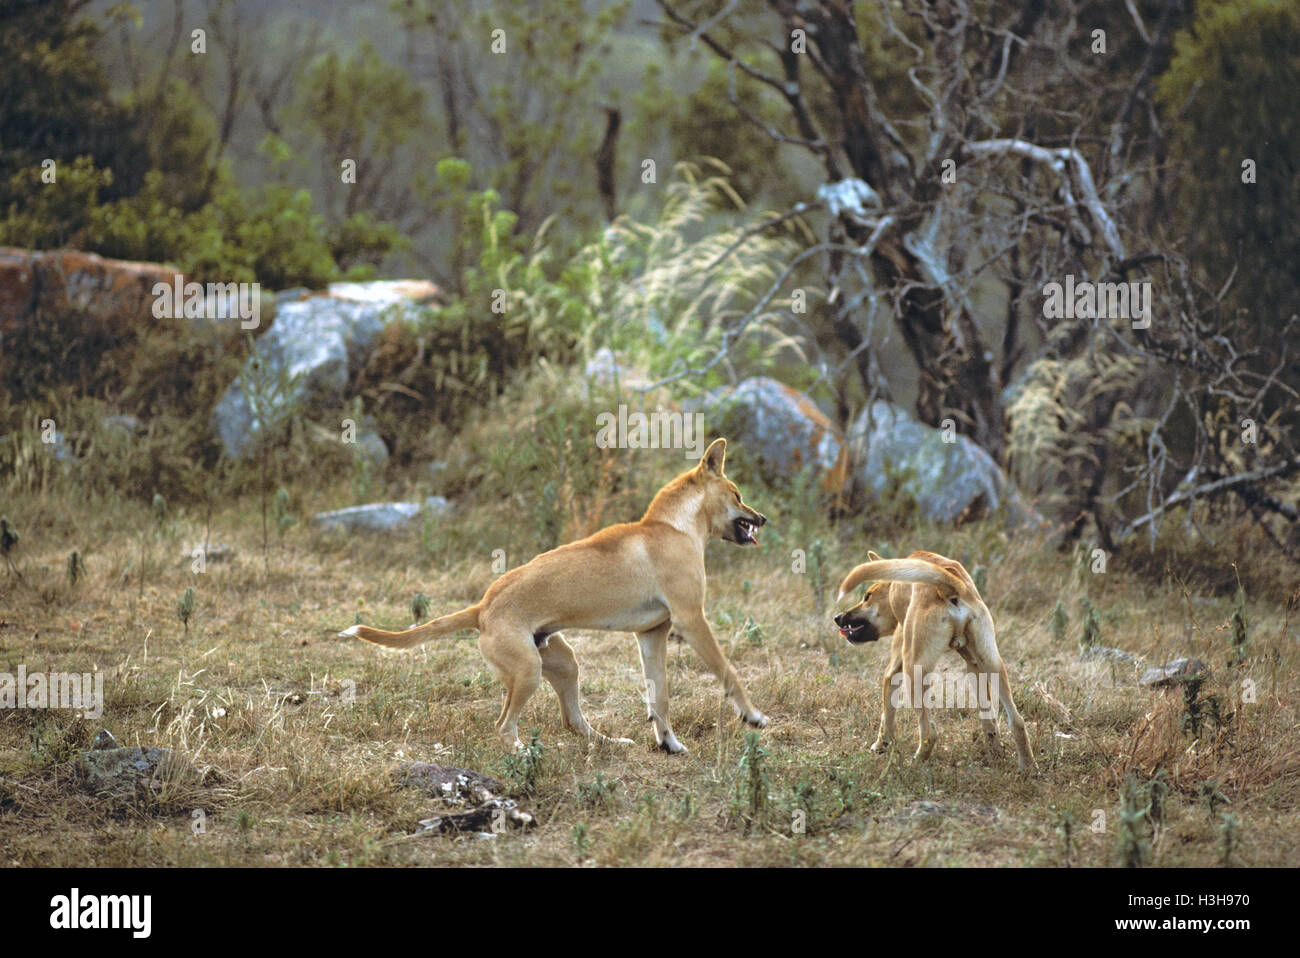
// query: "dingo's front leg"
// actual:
[[695, 629]]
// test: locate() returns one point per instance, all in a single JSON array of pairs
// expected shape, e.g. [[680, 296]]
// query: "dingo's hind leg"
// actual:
[[515, 659], [654, 666], [560, 668]]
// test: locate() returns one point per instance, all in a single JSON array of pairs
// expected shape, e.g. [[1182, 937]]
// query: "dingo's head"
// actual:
[[872, 617], [726, 513]]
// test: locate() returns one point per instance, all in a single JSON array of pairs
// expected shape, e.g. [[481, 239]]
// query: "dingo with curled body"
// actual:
[[645, 577], [929, 604]]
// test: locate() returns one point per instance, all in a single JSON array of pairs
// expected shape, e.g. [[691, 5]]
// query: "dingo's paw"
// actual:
[[671, 745]]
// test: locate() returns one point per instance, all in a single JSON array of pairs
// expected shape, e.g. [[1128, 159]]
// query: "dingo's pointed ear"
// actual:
[[714, 457], [873, 556]]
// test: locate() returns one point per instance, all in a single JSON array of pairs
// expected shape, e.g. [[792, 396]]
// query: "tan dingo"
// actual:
[[929, 603], [645, 577]]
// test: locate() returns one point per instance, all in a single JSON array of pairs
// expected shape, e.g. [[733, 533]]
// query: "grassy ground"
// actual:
[[297, 734]]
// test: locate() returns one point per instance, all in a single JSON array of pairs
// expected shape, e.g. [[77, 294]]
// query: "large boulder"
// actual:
[[314, 344], [117, 293], [947, 474], [780, 428]]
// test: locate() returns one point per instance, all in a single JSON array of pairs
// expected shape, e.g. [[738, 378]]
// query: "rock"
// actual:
[[215, 553], [61, 449], [1091, 653], [387, 292], [892, 453], [921, 809], [127, 423], [380, 516], [604, 369], [371, 445], [321, 340], [436, 505], [104, 740], [121, 772], [780, 428], [115, 294], [1172, 673]]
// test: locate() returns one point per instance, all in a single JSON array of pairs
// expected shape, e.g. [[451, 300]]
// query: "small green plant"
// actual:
[[1134, 839], [1238, 622], [1059, 622], [1066, 824], [275, 396], [1198, 711], [524, 766], [817, 574], [1228, 826], [598, 793], [1158, 791], [1091, 624], [1211, 797], [185, 608], [581, 842], [8, 542], [752, 631], [280, 513], [753, 788], [76, 568], [362, 477], [419, 608]]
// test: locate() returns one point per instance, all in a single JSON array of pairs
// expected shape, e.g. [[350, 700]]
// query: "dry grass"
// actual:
[[296, 734]]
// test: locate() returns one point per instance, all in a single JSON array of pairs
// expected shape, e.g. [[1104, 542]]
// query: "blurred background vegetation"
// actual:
[[481, 172]]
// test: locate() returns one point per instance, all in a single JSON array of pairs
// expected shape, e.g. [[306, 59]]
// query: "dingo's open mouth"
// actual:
[[746, 532]]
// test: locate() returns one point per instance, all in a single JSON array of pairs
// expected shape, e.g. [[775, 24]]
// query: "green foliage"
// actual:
[[1197, 711], [1229, 93], [1238, 622], [185, 608], [1060, 621], [280, 512], [56, 103], [9, 539], [598, 793], [76, 568], [1228, 840], [1133, 842], [1091, 623], [536, 125], [524, 766], [419, 608], [753, 786]]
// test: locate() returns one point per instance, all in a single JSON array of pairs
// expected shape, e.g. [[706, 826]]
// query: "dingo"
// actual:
[[931, 604], [645, 577]]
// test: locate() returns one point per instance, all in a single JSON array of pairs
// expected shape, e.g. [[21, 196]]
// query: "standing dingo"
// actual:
[[645, 577], [929, 603]]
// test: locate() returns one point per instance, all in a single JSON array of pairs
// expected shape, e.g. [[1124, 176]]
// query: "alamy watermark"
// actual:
[[53, 690], [182, 300], [655, 430], [1088, 300], [947, 690]]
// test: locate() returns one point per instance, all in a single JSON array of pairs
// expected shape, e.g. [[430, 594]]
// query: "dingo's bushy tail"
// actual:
[[902, 570], [464, 619]]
